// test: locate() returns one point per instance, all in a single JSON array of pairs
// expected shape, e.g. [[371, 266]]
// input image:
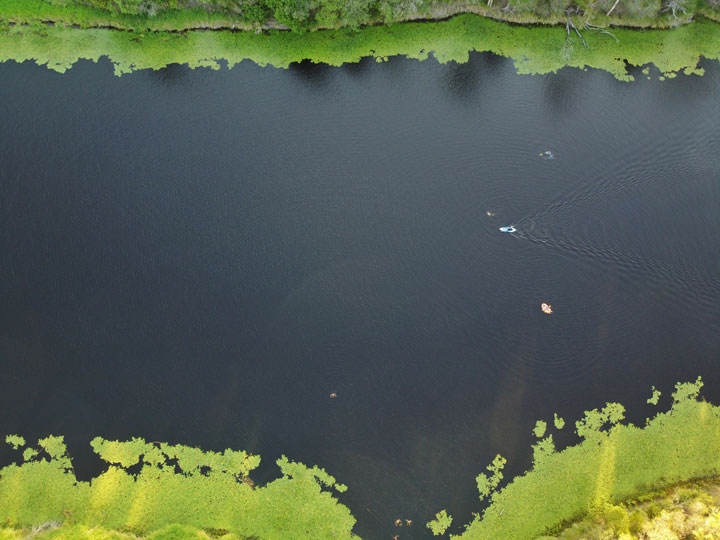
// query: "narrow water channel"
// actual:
[[203, 257]]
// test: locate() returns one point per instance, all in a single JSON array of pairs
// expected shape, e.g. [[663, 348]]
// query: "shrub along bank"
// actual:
[[301, 15]]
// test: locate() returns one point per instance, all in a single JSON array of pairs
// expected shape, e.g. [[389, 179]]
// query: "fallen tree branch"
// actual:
[[568, 46], [601, 29], [611, 9], [570, 24]]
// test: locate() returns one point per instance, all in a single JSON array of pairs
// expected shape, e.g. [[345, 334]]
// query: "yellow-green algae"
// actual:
[[534, 49], [176, 486], [613, 462]]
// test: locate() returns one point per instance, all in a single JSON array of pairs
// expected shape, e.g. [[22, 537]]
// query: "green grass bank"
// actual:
[[613, 463], [535, 50], [552, 33], [620, 478], [163, 492]]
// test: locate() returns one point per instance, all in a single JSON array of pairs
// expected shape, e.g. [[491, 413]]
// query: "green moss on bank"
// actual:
[[535, 50]]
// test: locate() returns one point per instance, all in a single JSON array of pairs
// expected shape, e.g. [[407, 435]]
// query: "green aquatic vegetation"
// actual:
[[559, 422], [534, 49], [15, 441], [175, 486], [543, 449], [56, 450], [29, 453], [540, 428], [122, 453], [487, 484], [686, 391], [189, 460], [441, 523], [613, 462], [653, 400], [593, 421]]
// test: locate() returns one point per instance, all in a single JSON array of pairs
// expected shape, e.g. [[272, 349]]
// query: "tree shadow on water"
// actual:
[[358, 69], [463, 81], [561, 89], [314, 76], [692, 88], [171, 75]]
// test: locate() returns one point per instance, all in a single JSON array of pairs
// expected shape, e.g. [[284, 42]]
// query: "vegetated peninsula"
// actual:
[[598, 488], [164, 492], [545, 36], [620, 481]]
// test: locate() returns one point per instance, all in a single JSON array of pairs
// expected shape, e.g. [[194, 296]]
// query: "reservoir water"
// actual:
[[203, 257]]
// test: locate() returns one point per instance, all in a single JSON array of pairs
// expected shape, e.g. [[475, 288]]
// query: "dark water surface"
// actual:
[[203, 257]]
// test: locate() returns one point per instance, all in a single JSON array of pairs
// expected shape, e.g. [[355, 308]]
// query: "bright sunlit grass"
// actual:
[[614, 462]]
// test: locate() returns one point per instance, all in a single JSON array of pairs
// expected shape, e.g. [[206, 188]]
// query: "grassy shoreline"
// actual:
[[59, 35], [613, 463], [535, 50], [151, 489], [156, 491]]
